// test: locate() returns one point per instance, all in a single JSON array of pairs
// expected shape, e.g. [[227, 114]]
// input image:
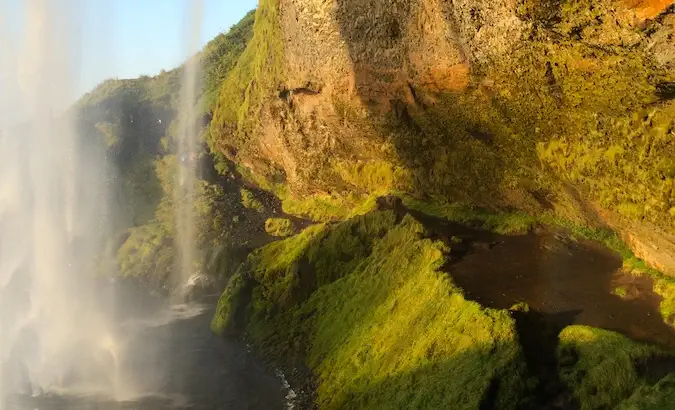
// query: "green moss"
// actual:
[[620, 292], [255, 77], [658, 397], [325, 207], [249, 200], [664, 286], [221, 54], [281, 227], [599, 365], [320, 207], [503, 223], [377, 322], [231, 304], [622, 161], [147, 255], [520, 307], [375, 177]]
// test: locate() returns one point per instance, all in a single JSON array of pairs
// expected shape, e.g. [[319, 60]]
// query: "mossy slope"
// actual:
[[364, 305], [601, 368]]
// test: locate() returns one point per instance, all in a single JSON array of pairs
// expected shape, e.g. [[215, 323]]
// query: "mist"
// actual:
[[61, 326]]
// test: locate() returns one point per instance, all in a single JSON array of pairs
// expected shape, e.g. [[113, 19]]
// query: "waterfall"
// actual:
[[188, 148], [53, 214]]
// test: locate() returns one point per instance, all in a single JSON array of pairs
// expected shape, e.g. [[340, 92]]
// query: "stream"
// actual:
[[170, 351], [568, 281], [172, 354]]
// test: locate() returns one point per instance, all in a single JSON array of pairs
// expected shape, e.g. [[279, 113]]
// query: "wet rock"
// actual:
[[197, 288]]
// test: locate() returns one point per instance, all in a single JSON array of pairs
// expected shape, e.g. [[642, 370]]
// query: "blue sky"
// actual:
[[96, 40], [128, 38]]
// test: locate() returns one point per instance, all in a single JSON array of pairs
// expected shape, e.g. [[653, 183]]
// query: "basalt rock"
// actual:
[[493, 103]]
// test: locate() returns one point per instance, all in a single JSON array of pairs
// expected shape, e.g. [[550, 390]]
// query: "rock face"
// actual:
[[541, 105]]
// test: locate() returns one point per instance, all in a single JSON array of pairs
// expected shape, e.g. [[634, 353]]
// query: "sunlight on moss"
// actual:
[[255, 77], [249, 200], [503, 223], [377, 177], [363, 304], [280, 227]]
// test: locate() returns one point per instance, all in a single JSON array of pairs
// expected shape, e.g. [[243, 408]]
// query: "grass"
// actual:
[[658, 397], [319, 207], [280, 227], [255, 77], [502, 223], [599, 366], [364, 305]]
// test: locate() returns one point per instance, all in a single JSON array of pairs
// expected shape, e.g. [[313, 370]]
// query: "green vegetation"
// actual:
[[360, 298], [136, 121], [221, 54], [374, 177], [599, 366], [503, 223], [362, 303], [320, 207], [658, 397], [249, 201], [255, 78], [280, 227], [620, 292]]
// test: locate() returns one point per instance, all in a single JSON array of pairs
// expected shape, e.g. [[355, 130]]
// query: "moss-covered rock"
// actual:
[[280, 227], [534, 105], [364, 305], [601, 366]]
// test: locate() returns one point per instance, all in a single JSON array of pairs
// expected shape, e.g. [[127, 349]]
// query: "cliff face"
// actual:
[[563, 107]]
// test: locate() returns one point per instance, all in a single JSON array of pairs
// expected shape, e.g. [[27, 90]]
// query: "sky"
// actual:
[[126, 38]]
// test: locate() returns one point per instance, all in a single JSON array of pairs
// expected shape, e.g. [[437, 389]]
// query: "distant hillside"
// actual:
[[137, 120]]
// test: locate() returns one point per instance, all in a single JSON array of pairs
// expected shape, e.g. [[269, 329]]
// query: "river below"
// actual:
[[569, 280], [172, 354]]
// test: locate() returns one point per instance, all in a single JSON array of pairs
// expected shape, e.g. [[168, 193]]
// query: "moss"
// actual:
[[503, 223], [231, 304], [320, 207], [147, 255], [664, 286], [375, 177], [326, 207], [281, 227], [658, 397], [249, 200], [621, 162], [599, 365], [221, 54], [620, 292], [380, 325], [520, 307], [256, 77]]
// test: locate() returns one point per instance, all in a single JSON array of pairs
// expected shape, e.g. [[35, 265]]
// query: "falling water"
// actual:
[[188, 148], [52, 215], [60, 337]]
